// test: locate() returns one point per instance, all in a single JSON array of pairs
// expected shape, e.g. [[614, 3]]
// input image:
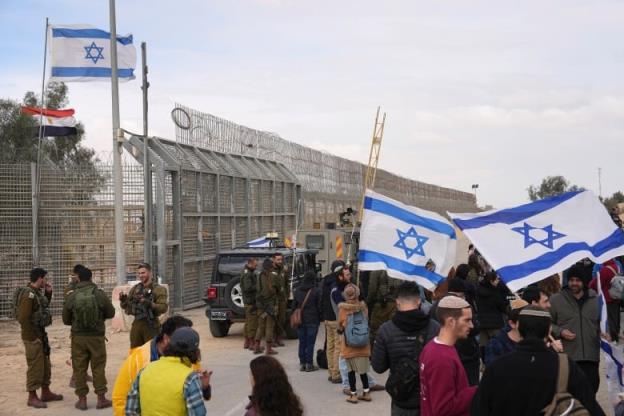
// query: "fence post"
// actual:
[[35, 213]]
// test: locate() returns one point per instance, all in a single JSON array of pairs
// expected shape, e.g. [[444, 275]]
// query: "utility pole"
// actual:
[[120, 253], [147, 168], [600, 183]]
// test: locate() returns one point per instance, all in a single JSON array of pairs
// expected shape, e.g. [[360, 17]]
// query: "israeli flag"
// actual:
[[612, 353], [82, 53], [259, 242], [530, 242], [408, 242]]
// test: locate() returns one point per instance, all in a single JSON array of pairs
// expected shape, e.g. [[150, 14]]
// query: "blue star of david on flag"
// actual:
[[94, 52], [420, 242], [551, 235]]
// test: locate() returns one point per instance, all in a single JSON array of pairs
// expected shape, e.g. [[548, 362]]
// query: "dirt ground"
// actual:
[[224, 356]]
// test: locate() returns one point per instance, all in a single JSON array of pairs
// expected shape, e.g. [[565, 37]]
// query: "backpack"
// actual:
[[356, 332], [17, 294], [616, 286], [404, 380], [563, 403], [85, 309]]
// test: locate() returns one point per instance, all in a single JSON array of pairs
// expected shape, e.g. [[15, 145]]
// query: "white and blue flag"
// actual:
[[613, 354], [408, 242], [259, 242], [82, 53], [530, 242]]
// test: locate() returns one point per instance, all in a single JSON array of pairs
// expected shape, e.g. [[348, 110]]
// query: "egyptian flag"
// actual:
[[55, 122]]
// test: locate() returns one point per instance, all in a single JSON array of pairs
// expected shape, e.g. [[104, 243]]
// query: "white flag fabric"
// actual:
[[82, 53], [259, 242], [613, 355], [408, 242], [530, 242]]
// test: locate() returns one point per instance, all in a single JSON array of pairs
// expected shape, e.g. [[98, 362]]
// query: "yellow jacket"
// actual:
[[137, 359]]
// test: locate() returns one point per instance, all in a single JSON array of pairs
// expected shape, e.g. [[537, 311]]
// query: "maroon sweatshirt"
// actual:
[[444, 389]]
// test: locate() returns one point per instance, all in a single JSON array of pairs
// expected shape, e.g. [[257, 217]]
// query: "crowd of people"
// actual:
[[470, 347]]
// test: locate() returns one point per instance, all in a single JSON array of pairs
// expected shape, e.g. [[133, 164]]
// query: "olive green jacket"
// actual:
[[32, 312]]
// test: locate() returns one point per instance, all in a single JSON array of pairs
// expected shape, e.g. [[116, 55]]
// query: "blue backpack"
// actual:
[[356, 332]]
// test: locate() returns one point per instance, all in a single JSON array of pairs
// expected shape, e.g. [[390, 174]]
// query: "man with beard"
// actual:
[[576, 321]]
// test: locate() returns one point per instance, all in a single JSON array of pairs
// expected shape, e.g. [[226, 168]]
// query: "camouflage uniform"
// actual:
[[381, 299], [34, 315], [88, 344], [248, 282], [282, 300], [146, 324], [266, 302]]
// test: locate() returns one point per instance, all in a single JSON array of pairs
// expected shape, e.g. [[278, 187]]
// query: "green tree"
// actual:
[[612, 201], [19, 133], [551, 186]]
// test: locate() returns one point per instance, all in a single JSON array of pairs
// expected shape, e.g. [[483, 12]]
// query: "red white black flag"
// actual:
[[55, 122]]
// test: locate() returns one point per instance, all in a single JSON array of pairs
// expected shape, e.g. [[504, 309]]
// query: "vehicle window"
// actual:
[[232, 265], [300, 267], [316, 242]]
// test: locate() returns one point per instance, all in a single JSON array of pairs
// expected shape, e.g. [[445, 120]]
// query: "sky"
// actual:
[[496, 93]]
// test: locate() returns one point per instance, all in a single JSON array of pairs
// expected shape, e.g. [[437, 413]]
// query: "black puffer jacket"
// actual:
[[327, 312], [311, 313], [491, 305], [403, 336]]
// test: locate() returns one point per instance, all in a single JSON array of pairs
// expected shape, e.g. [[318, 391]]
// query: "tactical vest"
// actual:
[[161, 387], [138, 309], [248, 286], [41, 317]]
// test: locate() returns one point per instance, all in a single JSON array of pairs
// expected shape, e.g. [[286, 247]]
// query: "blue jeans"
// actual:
[[307, 339], [344, 374]]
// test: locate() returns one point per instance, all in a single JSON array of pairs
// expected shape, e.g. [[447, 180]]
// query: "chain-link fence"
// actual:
[[217, 187], [330, 183], [75, 225]]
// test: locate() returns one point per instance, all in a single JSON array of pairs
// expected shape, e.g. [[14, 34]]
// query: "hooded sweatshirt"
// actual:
[[404, 336]]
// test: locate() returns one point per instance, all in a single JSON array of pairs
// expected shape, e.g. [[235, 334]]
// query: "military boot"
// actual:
[[48, 396], [81, 404], [103, 402], [257, 348], [33, 401], [269, 349], [247, 343]]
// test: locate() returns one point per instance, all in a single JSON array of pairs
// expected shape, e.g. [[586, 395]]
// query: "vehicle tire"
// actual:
[[219, 329], [234, 296], [291, 333]]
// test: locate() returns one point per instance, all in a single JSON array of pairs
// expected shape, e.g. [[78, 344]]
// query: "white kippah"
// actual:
[[453, 302]]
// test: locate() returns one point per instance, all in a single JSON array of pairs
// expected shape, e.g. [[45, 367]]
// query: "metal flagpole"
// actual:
[[147, 171], [35, 181], [120, 259]]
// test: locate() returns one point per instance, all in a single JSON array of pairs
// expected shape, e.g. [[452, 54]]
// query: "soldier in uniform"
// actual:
[[33, 316], [71, 285], [86, 309], [266, 303], [381, 299], [249, 285], [147, 300], [282, 297]]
